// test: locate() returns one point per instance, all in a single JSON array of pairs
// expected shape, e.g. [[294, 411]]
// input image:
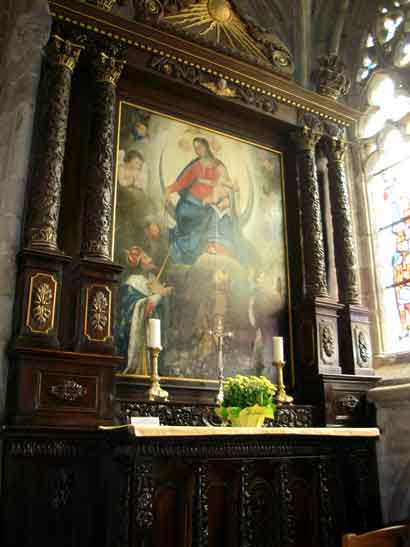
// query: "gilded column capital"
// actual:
[[305, 138], [335, 149], [107, 69], [63, 52]]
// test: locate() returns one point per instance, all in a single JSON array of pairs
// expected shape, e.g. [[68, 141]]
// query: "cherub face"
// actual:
[[136, 164]]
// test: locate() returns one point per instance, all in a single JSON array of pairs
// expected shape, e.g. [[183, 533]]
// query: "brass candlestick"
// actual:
[[282, 397], [155, 392]]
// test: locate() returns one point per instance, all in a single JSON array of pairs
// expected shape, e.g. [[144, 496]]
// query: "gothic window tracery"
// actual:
[[385, 138], [387, 42]]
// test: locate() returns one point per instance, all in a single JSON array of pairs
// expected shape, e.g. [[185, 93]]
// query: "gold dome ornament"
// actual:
[[220, 10]]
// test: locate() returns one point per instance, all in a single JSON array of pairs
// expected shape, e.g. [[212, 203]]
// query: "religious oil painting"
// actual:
[[200, 233]]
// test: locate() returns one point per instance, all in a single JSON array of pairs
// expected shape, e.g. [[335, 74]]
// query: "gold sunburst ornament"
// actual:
[[219, 17]]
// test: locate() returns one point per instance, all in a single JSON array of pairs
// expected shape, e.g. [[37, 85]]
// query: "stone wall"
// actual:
[[24, 30], [392, 399]]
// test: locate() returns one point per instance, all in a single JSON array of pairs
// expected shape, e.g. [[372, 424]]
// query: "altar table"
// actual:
[[188, 486]]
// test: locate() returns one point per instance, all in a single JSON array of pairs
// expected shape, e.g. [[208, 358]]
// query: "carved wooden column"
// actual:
[[96, 244], [318, 339], [354, 324], [346, 263], [41, 262], [41, 228], [96, 274], [313, 248]]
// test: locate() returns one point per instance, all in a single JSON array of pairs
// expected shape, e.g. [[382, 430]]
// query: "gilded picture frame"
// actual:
[[200, 230]]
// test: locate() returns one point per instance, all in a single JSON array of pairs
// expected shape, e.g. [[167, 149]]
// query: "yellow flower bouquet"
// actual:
[[248, 400]]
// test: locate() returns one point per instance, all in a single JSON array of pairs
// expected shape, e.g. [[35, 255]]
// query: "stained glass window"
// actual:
[[386, 148]]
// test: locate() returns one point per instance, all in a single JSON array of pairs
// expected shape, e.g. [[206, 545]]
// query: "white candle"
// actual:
[[154, 333], [277, 349]]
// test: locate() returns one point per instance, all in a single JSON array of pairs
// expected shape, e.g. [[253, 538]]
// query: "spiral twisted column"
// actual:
[[41, 229], [96, 242], [346, 261], [313, 246]]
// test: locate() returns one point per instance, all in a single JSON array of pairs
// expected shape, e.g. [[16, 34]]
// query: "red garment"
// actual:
[[189, 179]]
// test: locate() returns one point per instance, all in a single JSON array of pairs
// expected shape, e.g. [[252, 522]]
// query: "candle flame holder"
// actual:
[[219, 335], [155, 392], [282, 397]]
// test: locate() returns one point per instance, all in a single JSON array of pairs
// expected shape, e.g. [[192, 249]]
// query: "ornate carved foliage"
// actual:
[[328, 341], [345, 252], [331, 78], [291, 416], [201, 494], [41, 303], [313, 248], [362, 346], [194, 415], [246, 520], [143, 495], [213, 83], [288, 515], [170, 415], [106, 68], [347, 404], [98, 313], [42, 223], [323, 127], [326, 514], [64, 53], [98, 213], [217, 24], [105, 5], [63, 483], [69, 391]]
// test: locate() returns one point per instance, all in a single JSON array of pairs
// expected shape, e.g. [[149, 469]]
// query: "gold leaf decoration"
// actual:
[[217, 16], [42, 304], [99, 311]]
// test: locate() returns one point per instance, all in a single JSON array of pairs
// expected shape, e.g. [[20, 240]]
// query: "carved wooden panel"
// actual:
[[328, 341], [362, 345], [71, 391], [98, 313], [41, 303]]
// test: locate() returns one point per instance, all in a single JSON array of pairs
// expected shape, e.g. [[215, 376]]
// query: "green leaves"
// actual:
[[245, 391]]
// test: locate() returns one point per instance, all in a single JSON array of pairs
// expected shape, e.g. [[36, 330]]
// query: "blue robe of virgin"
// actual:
[[199, 224]]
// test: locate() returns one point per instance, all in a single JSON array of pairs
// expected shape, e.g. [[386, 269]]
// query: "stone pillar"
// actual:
[[313, 248], [41, 229], [25, 29], [96, 243], [346, 263]]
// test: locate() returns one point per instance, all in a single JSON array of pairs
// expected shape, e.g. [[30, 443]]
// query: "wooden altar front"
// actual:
[[183, 487]]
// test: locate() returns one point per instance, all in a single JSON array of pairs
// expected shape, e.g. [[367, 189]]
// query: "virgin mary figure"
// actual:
[[206, 219]]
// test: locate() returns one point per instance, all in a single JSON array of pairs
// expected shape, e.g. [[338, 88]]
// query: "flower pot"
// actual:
[[252, 416]]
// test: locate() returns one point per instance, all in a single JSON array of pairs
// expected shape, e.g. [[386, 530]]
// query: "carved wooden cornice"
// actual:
[[218, 66], [219, 26]]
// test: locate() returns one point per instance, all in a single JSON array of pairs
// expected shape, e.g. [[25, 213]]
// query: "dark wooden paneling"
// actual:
[[110, 489]]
